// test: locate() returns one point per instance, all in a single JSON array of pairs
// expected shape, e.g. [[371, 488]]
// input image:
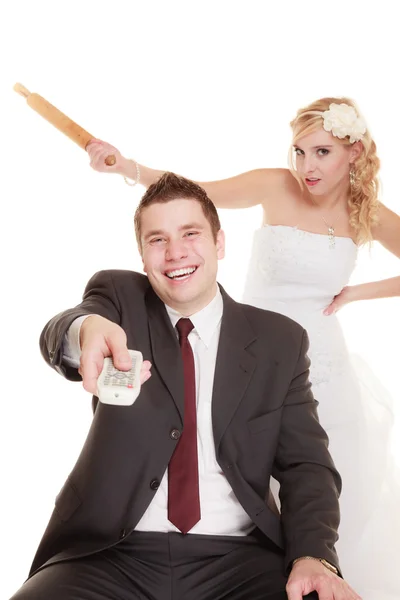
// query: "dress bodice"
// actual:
[[297, 273], [294, 267]]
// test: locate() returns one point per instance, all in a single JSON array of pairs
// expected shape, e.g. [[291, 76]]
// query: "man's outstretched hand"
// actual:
[[100, 338]]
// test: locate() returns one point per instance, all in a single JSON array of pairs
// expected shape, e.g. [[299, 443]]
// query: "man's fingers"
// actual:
[[294, 591], [119, 350], [307, 577], [90, 369], [326, 594], [294, 595], [92, 364], [337, 590], [121, 359], [101, 338], [145, 372]]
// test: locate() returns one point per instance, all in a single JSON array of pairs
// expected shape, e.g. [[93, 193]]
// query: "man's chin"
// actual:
[[182, 299], [186, 303], [174, 297]]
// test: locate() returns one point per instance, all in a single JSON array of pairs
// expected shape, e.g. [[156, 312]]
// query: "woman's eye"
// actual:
[[323, 151], [298, 151]]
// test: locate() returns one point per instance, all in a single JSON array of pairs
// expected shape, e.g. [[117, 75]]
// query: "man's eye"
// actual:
[[191, 233]]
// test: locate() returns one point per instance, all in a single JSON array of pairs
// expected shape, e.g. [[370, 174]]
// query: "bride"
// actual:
[[316, 216]]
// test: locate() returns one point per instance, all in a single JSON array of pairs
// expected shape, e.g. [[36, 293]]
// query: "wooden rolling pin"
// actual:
[[59, 120]]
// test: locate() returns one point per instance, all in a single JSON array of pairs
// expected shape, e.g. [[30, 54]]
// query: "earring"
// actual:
[[352, 177]]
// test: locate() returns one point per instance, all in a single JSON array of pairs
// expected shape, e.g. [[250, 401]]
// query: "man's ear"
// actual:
[[220, 244]]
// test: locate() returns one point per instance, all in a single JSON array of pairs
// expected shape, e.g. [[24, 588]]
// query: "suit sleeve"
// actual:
[[100, 298], [309, 483]]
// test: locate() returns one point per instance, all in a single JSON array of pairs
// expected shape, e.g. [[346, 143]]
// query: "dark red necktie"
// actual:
[[183, 468]]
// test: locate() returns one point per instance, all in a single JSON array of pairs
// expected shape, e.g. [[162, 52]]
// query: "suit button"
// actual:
[[122, 534], [154, 484], [175, 434]]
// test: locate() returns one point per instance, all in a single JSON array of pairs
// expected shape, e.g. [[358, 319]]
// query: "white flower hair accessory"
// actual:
[[342, 120]]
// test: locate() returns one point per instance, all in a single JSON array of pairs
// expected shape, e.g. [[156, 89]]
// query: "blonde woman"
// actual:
[[316, 216]]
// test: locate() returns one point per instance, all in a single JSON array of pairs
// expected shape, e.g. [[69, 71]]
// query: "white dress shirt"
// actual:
[[221, 512]]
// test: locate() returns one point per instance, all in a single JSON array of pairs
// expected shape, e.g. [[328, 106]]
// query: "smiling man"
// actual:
[[169, 498], [180, 242]]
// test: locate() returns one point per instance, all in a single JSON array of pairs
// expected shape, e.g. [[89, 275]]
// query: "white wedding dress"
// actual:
[[297, 273]]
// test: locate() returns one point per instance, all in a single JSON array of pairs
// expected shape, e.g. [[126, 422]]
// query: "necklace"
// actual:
[[331, 229]]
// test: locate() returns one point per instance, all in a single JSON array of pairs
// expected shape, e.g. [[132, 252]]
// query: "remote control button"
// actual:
[[118, 375]]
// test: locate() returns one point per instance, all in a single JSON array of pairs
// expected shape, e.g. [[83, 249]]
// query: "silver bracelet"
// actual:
[[137, 180]]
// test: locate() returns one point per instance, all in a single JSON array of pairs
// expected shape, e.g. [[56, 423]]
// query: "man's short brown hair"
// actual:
[[173, 187]]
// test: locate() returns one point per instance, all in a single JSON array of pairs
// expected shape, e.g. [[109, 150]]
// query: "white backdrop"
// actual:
[[204, 88]]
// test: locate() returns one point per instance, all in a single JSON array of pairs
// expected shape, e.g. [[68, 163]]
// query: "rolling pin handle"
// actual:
[[22, 90], [110, 160]]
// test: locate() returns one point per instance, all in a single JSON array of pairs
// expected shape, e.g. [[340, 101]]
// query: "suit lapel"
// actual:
[[165, 349], [234, 366]]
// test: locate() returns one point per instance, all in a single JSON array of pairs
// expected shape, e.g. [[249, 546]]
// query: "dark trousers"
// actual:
[[167, 566]]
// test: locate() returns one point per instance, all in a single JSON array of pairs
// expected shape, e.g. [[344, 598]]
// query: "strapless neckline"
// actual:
[[313, 233]]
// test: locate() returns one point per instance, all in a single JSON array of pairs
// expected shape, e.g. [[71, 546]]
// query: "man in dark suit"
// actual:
[[169, 498]]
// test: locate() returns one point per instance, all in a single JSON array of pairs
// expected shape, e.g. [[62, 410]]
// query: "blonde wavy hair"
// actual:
[[363, 198]]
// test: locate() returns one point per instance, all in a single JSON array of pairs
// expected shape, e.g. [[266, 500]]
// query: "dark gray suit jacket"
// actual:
[[264, 423]]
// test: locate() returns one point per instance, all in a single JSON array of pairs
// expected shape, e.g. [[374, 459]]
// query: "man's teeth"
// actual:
[[180, 272]]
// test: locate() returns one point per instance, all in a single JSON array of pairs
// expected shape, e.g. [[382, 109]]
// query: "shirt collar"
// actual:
[[205, 321]]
